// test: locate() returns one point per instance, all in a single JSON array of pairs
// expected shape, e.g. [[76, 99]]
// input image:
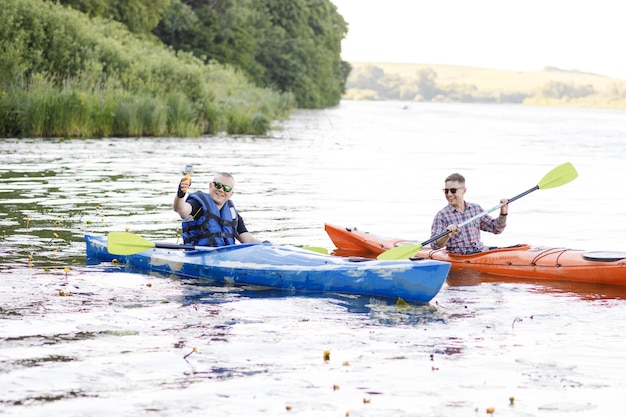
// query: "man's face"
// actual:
[[218, 189], [454, 192]]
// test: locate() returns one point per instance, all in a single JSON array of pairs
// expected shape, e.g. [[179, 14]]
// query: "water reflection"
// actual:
[[377, 310], [581, 290]]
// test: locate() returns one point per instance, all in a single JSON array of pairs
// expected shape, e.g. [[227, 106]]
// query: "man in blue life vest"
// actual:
[[211, 219]]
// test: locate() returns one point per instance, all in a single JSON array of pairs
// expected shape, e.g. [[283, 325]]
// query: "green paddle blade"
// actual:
[[317, 249], [560, 175], [399, 252], [124, 243]]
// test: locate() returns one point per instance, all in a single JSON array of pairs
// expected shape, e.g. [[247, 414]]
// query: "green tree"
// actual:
[[558, 89], [226, 31], [140, 16], [366, 78], [288, 45], [179, 21], [301, 52], [427, 84]]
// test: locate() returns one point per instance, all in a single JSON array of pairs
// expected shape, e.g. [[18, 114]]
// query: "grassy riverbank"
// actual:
[[63, 74]]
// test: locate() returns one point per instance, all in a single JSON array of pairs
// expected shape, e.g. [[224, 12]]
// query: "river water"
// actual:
[[79, 340]]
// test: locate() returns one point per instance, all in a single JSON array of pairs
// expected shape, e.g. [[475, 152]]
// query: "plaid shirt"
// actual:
[[467, 239]]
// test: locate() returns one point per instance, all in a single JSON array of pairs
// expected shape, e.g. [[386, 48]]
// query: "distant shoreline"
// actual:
[[551, 86], [475, 68]]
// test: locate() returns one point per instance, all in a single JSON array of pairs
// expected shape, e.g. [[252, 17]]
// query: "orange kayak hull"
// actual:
[[519, 261]]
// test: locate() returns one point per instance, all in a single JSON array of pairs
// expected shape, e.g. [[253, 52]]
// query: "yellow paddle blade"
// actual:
[[401, 303], [560, 175], [124, 243], [399, 252], [317, 249]]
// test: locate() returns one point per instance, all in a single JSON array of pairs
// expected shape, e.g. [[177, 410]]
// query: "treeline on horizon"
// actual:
[[372, 83], [76, 68]]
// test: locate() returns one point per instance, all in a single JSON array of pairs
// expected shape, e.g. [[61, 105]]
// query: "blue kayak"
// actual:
[[285, 267]]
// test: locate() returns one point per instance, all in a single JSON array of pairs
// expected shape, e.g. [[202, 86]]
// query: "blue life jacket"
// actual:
[[210, 226]]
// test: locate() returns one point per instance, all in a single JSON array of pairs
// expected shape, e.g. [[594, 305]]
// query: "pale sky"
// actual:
[[587, 35]]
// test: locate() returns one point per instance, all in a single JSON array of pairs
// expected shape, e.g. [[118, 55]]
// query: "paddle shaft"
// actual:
[[479, 215], [175, 246], [191, 247], [124, 243]]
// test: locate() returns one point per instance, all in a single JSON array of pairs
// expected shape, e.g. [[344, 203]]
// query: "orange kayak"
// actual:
[[519, 261]]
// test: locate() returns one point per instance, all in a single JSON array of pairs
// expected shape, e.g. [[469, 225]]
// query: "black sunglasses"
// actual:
[[452, 190], [219, 186]]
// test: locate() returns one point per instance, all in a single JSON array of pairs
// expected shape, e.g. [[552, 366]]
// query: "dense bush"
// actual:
[[290, 46], [64, 74]]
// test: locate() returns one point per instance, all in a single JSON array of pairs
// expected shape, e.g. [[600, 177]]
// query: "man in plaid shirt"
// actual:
[[466, 239]]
